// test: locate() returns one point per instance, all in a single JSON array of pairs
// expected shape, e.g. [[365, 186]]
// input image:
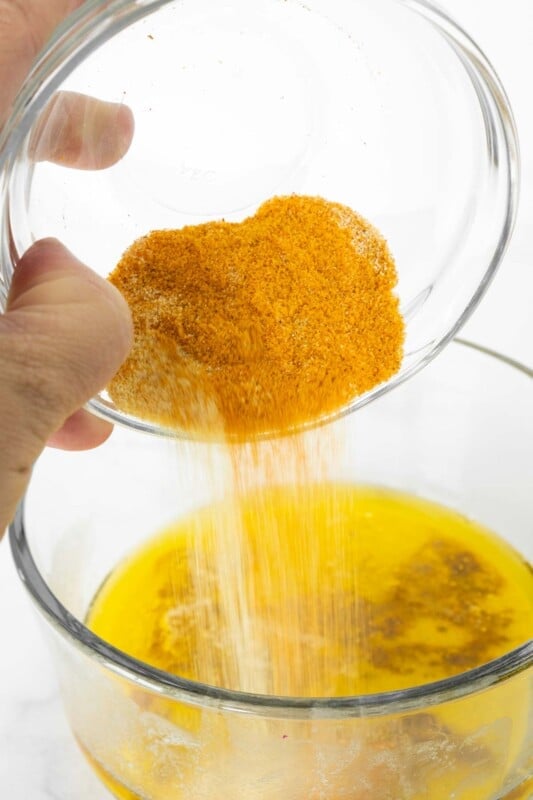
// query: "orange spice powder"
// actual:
[[259, 326]]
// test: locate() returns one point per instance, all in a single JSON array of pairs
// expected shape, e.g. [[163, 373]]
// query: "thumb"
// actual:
[[64, 335]]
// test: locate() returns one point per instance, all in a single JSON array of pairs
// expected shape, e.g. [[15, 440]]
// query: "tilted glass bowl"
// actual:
[[384, 105]]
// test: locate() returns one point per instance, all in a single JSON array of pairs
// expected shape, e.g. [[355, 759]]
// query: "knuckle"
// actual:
[[34, 380]]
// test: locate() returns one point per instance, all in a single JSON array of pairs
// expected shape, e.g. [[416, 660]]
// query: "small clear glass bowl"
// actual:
[[384, 105]]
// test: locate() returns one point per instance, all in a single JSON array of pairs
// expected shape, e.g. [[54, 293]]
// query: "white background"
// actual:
[[38, 760]]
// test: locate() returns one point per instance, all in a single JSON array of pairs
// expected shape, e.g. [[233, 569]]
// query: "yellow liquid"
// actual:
[[323, 590]]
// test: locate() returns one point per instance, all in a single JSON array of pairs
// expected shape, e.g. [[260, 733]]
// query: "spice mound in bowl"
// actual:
[[261, 326]]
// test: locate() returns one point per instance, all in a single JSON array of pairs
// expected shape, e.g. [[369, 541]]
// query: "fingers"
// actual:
[[25, 26], [66, 331], [82, 132], [81, 431], [74, 130], [64, 335]]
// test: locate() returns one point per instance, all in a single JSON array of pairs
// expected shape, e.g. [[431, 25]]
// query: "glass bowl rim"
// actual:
[[93, 24], [199, 694]]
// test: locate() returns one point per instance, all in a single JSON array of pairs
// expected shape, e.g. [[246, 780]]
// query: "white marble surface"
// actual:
[[38, 760]]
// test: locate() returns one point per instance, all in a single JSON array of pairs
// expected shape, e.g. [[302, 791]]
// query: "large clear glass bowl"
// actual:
[[384, 105], [459, 433]]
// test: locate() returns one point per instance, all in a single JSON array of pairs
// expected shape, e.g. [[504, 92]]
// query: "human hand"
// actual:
[[66, 330]]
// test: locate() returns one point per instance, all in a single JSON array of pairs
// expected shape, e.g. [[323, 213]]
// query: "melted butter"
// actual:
[[318, 591]]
